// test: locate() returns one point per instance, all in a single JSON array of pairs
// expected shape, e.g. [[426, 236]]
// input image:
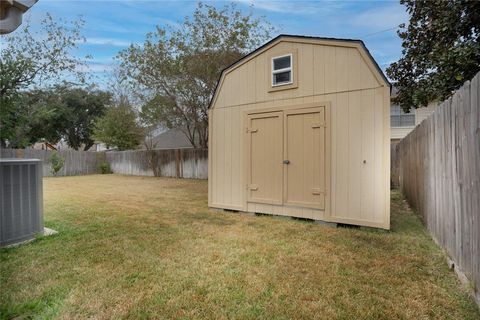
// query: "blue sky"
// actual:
[[111, 26]]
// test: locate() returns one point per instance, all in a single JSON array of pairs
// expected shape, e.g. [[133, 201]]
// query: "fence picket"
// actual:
[[180, 163], [438, 167]]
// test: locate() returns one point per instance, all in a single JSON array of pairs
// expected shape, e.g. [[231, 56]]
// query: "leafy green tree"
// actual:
[[37, 117], [105, 168], [28, 59], [119, 127], [58, 113], [81, 109], [57, 162], [441, 50], [175, 71]]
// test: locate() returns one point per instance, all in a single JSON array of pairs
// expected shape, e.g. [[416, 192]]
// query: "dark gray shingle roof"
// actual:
[[172, 139]]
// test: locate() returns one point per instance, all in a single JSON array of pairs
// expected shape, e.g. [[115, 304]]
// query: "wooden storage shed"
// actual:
[[300, 127]]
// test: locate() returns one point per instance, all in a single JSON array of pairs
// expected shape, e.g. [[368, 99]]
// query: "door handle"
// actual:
[[286, 161]]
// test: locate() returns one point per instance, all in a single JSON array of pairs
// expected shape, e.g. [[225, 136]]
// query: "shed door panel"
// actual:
[[304, 183], [266, 154]]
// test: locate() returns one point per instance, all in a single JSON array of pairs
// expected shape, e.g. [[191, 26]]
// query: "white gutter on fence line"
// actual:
[[11, 12]]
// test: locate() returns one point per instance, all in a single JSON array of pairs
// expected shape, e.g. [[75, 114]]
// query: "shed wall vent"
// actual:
[[21, 200]]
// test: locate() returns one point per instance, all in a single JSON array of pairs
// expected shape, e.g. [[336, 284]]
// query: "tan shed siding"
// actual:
[[385, 91], [228, 175], [331, 73], [359, 75], [380, 113], [368, 155], [341, 69], [217, 159], [355, 71], [356, 133], [356, 126], [340, 153], [227, 158], [238, 159], [358, 130], [307, 78], [261, 80], [354, 167], [321, 69], [251, 83]]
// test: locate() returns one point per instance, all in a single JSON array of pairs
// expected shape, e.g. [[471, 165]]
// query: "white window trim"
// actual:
[[274, 72]]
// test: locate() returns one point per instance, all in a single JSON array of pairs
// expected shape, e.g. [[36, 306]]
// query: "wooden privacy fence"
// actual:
[[76, 162], [439, 173], [394, 166], [180, 163]]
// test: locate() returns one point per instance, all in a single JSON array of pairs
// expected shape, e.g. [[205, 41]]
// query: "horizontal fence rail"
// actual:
[[438, 167], [179, 163]]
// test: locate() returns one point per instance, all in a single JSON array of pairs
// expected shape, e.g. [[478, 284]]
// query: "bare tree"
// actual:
[[175, 73]]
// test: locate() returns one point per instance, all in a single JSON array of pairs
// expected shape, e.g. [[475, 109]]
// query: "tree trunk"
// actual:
[[88, 146], [153, 162]]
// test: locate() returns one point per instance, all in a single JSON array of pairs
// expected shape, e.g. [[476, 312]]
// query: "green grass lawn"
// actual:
[[133, 247]]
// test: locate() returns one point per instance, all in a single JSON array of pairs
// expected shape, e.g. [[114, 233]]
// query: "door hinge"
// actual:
[[252, 130], [317, 191], [319, 125]]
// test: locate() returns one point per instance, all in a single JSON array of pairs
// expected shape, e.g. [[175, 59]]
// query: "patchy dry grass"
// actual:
[[133, 247]]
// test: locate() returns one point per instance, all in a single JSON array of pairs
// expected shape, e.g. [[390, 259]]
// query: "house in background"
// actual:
[[43, 145], [162, 139], [62, 145], [170, 139], [402, 123]]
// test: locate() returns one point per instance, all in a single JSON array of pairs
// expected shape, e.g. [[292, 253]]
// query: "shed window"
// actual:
[[282, 70]]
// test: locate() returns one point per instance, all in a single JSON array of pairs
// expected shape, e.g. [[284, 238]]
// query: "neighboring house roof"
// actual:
[[172, 139], [43, 145], [354, 42]]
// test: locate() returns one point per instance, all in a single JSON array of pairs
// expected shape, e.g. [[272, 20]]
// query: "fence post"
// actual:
[[177, 163], [19, 153]]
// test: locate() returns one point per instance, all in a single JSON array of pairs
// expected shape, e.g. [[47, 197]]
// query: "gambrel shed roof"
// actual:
[[354, 43]]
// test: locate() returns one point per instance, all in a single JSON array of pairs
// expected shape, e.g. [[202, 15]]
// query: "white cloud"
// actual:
[[107, 42], [296, 7], [380, 18], [95, 67]]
